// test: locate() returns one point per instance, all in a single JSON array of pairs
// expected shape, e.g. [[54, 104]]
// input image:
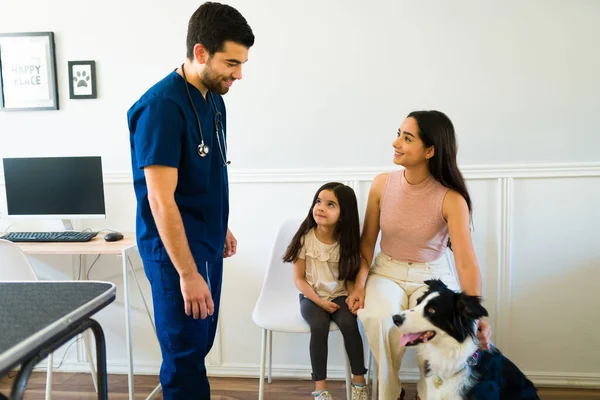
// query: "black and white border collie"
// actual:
[[444, 325]]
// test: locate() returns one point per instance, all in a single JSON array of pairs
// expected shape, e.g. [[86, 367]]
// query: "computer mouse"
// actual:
[[113, 236]]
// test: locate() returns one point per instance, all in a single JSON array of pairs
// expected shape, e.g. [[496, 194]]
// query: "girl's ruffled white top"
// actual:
[[322, 267]]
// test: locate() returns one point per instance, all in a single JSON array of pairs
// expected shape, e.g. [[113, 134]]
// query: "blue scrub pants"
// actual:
[[184, 341]]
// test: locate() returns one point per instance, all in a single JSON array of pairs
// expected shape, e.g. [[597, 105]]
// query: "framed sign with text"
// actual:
[[28, 71]]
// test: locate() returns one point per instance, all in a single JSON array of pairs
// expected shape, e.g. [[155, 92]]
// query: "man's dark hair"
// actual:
[[213, 24]]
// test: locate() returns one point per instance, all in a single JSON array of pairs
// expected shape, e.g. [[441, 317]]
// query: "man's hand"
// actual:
[[484, 333], [356, 300], [196, 296], [230, 245]]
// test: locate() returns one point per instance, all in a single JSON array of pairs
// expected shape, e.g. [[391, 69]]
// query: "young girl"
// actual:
[[325, 253]]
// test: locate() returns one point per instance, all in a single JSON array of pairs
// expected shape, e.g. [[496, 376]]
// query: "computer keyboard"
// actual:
[[67, 236]]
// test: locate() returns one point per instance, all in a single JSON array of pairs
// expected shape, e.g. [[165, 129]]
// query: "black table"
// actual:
[[36, 318]]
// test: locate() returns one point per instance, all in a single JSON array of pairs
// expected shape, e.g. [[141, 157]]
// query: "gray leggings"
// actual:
[[319, 320]]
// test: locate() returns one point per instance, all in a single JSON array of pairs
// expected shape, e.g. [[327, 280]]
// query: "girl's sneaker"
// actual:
[[360, 392], [322, 395]]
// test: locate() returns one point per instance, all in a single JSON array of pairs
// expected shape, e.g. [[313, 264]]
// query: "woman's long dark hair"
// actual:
[[347, 231], [436, 129]]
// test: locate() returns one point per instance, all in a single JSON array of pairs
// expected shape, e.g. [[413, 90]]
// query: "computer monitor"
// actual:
[[54, 187]]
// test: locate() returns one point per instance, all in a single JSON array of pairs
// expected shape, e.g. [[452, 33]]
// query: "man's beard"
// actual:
[[213, 83]]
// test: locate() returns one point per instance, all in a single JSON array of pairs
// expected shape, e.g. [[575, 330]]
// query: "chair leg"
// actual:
[[88, 355], [263, 350], [348, 377], [369, 363], [375, 379], [49, 376], [270, 341]]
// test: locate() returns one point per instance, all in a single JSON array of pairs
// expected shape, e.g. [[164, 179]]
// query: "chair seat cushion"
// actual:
[[281, 317]]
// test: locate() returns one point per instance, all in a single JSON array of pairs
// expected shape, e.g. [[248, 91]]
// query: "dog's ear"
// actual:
[[470, 306], [436, 284]]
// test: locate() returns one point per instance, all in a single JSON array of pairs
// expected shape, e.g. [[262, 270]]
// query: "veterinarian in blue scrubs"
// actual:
[[179, 161]]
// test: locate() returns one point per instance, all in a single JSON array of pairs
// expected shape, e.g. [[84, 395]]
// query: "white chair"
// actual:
[[278, 308], [15, 266]]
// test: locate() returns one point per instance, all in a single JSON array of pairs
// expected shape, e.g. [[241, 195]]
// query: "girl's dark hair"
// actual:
[[212, 24], [436, 129], [347, 231]]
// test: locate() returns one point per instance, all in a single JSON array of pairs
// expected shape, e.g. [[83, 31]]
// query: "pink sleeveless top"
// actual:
[[412, 226]]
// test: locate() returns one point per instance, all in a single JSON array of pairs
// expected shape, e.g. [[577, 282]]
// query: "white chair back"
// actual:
[[14, 265], [278, 305], [279, 281]]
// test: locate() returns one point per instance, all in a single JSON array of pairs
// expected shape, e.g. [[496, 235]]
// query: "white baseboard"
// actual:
[[111, 367], [290, 372], [565, 379], [301, 372]]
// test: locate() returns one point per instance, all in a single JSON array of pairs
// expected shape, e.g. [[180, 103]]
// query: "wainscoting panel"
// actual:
[[554, 275], [535, 237]]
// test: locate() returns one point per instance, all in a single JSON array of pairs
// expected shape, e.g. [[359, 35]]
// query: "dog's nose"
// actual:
[[398, 319]]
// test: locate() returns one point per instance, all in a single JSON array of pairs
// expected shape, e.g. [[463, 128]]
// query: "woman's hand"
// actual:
[[484, 334], [356, 300]]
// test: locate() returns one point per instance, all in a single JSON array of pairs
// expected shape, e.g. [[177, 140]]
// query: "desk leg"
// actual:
[[101, 359], [158, 389], [88, 352], [18, 388], [128, 338]]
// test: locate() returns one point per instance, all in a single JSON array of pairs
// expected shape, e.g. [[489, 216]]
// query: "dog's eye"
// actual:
[[431, 310]]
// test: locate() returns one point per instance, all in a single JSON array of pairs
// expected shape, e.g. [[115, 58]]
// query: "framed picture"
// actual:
[[28, 71], [82, 79]]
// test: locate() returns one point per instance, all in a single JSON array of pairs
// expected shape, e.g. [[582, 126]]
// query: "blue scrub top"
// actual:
[[164, 131]]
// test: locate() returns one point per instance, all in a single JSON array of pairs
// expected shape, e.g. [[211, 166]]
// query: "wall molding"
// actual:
[[470, 172], [504, 294]]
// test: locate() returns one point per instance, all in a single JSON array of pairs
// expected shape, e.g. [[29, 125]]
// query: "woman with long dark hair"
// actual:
[[420, 210]]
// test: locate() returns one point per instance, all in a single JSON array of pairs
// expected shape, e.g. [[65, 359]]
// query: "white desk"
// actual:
[[98, 245]]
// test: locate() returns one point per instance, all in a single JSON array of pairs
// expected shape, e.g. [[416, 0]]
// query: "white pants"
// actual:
[[394, 286]]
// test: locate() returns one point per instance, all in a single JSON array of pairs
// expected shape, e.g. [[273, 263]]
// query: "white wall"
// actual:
[[518, 78], [335, 79]]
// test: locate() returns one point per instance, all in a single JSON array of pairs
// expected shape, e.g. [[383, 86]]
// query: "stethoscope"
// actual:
[[203, 149]]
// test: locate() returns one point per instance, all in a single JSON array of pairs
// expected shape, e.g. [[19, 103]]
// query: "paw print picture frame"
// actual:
[[82, 80]]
